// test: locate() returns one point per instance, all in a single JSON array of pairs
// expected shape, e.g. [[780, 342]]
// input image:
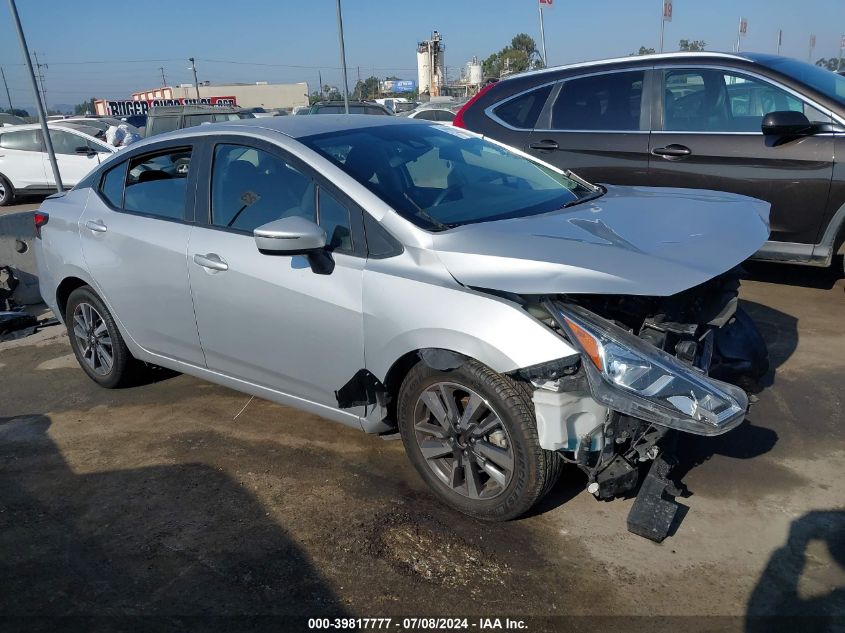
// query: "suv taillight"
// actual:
[[40, 219], [459, 117]]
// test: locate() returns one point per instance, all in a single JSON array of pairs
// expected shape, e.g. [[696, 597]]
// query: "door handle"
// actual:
[[672, 151], [96, 225], [546, 145], [211, 261]]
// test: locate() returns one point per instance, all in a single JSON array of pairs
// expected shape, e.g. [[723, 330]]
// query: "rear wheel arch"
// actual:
[[67, 286]]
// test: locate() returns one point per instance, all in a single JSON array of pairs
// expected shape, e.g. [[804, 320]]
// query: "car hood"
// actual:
[[632, 240]]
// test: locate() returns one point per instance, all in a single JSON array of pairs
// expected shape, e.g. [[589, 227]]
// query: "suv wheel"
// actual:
[[7, 193], [472, 436], [96, 341]]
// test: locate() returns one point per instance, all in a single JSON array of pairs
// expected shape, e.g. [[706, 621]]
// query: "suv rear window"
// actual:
[[522, 112], [24, 140]]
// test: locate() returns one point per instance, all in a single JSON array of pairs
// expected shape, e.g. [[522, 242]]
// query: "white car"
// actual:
[[8, 120], [444, 113], [25, 166]]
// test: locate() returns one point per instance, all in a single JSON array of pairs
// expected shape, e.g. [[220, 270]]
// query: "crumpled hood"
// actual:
[[632, 240]]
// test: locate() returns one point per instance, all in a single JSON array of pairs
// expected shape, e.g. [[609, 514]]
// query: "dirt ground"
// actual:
[[172, 499]]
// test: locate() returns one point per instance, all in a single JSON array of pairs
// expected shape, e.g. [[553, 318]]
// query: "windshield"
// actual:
[[825, 81], [439, 177]]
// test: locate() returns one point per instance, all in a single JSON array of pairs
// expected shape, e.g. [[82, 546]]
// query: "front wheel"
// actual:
[[471, 434], [7, 193]]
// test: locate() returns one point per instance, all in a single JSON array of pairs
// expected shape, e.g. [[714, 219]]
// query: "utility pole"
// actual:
[[780, 39], [320, 79], [163, 80], [342, 59], [360, 86], [42, 116], [8, 96], [41, 78], [841, 46], [542, 34], [812, 46], [196, 83]]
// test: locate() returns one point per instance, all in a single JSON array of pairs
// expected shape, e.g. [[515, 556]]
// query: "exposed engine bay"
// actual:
[[703, 328]]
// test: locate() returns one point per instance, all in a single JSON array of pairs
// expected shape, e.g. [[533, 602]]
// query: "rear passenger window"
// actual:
[[158, 184], [601, 102], [523, 111], [111, 186], [250, 187]]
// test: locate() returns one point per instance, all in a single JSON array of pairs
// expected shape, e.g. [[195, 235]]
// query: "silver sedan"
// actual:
[[502, 315]]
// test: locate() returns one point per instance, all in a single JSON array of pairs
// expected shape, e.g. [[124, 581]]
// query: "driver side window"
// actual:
[[250, 187]]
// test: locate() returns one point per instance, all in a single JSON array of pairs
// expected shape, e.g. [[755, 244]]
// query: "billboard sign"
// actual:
[[667, 10], [398, 85], [124, 108]]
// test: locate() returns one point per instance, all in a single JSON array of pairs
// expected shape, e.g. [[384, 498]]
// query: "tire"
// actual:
[[7, 192], [88, 320], [479, 443]]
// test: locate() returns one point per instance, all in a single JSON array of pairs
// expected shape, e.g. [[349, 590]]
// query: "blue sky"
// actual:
[[292, 40]]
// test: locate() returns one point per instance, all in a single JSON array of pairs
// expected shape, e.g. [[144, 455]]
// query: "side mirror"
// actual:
[[295, 236], [85, 151], [786, 123]]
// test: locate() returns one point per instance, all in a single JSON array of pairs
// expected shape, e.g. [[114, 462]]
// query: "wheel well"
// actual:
[[67, 286], [393, 380]]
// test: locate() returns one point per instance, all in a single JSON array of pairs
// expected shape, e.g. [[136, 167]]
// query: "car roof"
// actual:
[[636, 58], [50, 125]]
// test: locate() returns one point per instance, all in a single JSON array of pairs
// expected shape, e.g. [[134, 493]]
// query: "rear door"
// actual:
[[73, 166], [707, 136], [20, 159], [595, 125], [134, 234]]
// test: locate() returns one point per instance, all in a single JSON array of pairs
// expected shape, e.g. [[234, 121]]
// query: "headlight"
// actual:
[[632, 376]]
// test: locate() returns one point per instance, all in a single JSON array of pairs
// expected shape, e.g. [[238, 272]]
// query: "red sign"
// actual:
[[545, 4], [743, 26], [667, 10]]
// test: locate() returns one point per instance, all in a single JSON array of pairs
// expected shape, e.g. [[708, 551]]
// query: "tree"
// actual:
[[520, 55], [691, 45], [86, 107], [644, 51], [17, 112], [366, 89], [832, 63]]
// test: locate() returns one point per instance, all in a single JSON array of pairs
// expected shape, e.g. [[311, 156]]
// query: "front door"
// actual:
[[710, 138], [134, 235], [596, 126], [73, 165], [271, 320]]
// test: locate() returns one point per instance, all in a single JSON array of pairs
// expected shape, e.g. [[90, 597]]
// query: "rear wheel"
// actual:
[[7, 193], [96, 341], [472, 436]]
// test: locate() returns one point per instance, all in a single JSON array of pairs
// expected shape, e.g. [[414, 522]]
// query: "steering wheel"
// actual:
[[444, 194]]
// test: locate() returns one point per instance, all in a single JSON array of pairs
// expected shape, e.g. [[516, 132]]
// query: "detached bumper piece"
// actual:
[[655, 508]]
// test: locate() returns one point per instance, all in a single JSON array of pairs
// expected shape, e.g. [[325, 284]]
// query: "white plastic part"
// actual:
[[563, 418]]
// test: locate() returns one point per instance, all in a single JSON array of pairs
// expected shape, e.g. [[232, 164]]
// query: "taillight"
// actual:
[[459, 117], [41, 219]]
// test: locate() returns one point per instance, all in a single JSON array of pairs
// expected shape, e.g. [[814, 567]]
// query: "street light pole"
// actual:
[[342, 59], [543, 35], [42, 115], [8, 96], [196, 83]]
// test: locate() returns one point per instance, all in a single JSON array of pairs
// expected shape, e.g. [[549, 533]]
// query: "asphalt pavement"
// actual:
[[180, 498]]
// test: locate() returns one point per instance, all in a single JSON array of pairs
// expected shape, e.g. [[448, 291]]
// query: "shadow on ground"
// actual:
[[76, 544], [797, 590], [793, 274]]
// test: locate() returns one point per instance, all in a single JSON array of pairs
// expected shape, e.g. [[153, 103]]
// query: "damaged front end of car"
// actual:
[[649, 368]]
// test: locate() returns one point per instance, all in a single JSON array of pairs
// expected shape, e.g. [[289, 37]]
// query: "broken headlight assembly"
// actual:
[[632, 376]]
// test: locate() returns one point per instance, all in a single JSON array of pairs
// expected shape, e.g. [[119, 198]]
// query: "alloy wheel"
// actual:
[[463, 440], [93, 339]]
